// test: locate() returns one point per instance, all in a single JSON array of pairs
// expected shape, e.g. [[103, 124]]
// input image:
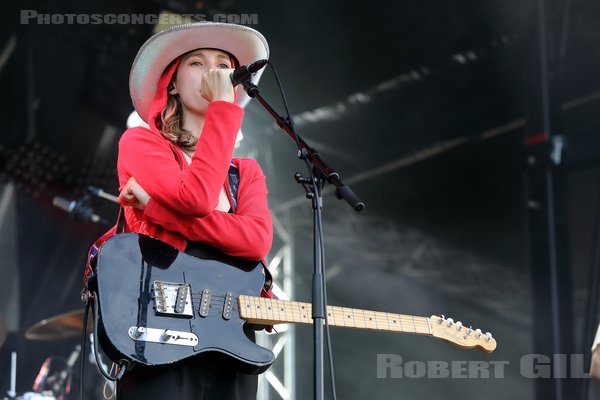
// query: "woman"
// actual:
[[175, 183]]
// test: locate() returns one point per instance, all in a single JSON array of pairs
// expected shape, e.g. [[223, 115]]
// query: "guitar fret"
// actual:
[[301, 313], [340, 316], [261, 309], [347, 318], [331, 317], [387, 320], [374, 319], [273, 307], [365, 319], [279, 317], [296, 309], [268, 308], [335, 317], [291, 311], [367, 325], [279, 310], [251, 308], [306, 314]]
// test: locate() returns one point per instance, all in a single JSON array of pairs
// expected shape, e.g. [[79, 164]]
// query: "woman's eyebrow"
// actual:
[[202, 55], [195, 55]]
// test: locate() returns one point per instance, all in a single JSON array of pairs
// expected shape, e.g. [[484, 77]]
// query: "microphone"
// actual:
[[245, 72], [78, 208]]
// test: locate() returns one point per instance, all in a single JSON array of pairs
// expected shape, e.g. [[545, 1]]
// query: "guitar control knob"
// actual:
[[138, 332], [478, 331], [459, 326], [450, 322], [488, 337]]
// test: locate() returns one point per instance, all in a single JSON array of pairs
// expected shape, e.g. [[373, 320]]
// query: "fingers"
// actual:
[[216, 85], [133, 195], [127, 196], [125, 199]]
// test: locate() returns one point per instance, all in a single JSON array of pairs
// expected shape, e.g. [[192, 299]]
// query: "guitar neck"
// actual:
[[262, 311]]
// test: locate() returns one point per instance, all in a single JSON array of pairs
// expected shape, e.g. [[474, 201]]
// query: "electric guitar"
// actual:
[[158, 305]]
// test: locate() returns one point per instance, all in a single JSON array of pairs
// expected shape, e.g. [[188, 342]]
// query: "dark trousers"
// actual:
[[207, 376]]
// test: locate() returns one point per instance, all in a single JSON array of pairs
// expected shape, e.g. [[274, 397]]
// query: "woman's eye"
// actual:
[[224, 66], [198, 63]]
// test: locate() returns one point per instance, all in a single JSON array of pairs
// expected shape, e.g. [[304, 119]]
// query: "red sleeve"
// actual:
[[247, 234], [149, 159]]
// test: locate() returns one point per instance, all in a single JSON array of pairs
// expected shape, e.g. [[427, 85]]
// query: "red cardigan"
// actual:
[[184, 197]]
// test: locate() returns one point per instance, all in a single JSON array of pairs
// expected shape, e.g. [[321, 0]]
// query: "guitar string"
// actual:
[[336, 320], [338, 315], [378, 316], [378, 321], [337, 309], [303, 305]]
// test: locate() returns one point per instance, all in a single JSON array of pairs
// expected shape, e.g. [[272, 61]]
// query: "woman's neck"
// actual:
[[193, 122]]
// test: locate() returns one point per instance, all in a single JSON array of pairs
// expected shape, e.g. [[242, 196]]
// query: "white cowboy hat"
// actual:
[[245, 44]]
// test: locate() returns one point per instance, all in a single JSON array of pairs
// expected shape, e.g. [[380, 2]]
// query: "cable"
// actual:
[[83, 341], [290, 119], [122, 363]]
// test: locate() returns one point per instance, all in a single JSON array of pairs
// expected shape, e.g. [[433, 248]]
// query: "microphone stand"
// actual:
[[320, 173]]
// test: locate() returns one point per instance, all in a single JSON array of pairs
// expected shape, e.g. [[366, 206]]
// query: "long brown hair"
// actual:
[[171, 117]]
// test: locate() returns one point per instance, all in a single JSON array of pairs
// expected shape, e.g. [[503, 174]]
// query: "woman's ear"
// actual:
[[171, 89]]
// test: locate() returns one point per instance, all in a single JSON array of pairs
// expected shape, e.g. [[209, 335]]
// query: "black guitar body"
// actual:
[[159, 305]]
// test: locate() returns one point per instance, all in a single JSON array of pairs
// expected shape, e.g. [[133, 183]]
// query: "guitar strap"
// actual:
[[234, 181]]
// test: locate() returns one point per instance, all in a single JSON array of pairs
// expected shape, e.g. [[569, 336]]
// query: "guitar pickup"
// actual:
[[172, 299], [228, 306], [204, 303]]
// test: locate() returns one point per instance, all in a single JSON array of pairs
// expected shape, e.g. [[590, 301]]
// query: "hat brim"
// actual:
[[246, 44]]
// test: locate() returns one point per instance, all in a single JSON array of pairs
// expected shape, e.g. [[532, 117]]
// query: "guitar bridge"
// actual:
[[172, 299]]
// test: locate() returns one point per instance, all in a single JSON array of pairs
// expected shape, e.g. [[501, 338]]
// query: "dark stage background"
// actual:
[[423, 107]]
